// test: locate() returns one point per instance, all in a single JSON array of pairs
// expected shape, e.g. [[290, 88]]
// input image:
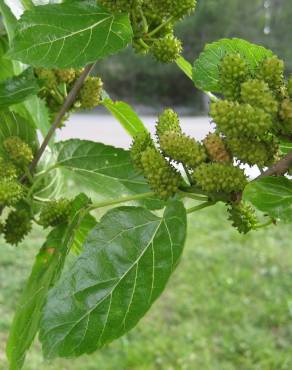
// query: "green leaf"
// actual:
[[9, 19], [6, 70], [285, 147], [206, 71], [125, 114], [69, 35], [185, 66], [101, 171], [18, 88], [14, 125], [35, 111], [272, 195], [127, 261], [46, 271]]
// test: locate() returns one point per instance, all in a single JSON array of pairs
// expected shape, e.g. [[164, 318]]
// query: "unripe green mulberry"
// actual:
[[90, 94], [168, 121], [271, 70], [55, 213], [258, 94], [163, 178], [286, 117], [243, 217], [289, 87], [120, 5], [48, 76], [10, 192], [141, 142], [174, 8], [17, 226], [233, 71], [253, 152], [7, 169], [234, 119], [167, 49], [66, 75], [182, 149], [216, 148], [18, 151], [220, 178]]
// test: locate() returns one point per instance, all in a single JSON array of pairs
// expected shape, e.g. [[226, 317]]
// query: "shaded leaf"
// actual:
[[46, 271], [128, 259], [18, 88], [206, 71], [69, 35]]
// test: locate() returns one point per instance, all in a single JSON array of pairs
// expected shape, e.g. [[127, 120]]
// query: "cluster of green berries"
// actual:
[[17, 155], [58, 82], [55, 213], [208, 163], [255, 111], [153, 23], [243, 217]]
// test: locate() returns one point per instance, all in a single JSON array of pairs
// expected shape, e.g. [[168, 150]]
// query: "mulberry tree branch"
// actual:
[[66, 106], [278, 168]]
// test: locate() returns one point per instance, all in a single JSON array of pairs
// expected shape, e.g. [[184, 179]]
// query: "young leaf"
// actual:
[[100, 170], [272, 195], [127, 261], [6, 70], [206, 71], [46, 271], [126, 116], [14, 125], [69, 35], [18, 88]]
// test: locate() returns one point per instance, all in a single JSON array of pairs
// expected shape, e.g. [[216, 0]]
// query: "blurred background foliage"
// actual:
[[142, 81]]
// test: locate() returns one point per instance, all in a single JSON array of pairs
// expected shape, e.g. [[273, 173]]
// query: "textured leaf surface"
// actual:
[[126, 264], [12, 124], [206, 71], [100, 169], [6, 69], [17, 89], [125, 114], [272, 195], [46, 271], [69, 35]]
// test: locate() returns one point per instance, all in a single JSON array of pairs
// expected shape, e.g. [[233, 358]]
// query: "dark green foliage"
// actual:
[[90, 94], [141, 142], [55, 213], [257, 93], [243, 217], [234, 119], [271, 70], [220, 178], [216, 148], [18, 151], [233, 71], [167, 49], [182, 149], [167, 121], [163, 178], [17, 226]]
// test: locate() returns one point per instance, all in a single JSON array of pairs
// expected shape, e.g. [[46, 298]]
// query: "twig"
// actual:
[[278, 168], [65, 107]]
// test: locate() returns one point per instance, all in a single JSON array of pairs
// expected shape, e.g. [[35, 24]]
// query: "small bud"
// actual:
[[216, 148], [243, 217], [17, 226], [55, 213], [19, 152], [167, 49], [168, 121], [91, 92], [271, 70], [141, 142]]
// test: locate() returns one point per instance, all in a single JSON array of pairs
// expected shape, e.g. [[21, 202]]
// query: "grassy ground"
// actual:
[[228, 306]]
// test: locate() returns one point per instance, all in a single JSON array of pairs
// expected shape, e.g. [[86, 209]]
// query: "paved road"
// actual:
[[106, 129]]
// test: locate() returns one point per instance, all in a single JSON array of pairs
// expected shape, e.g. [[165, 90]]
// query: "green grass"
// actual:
[[228, 305]]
